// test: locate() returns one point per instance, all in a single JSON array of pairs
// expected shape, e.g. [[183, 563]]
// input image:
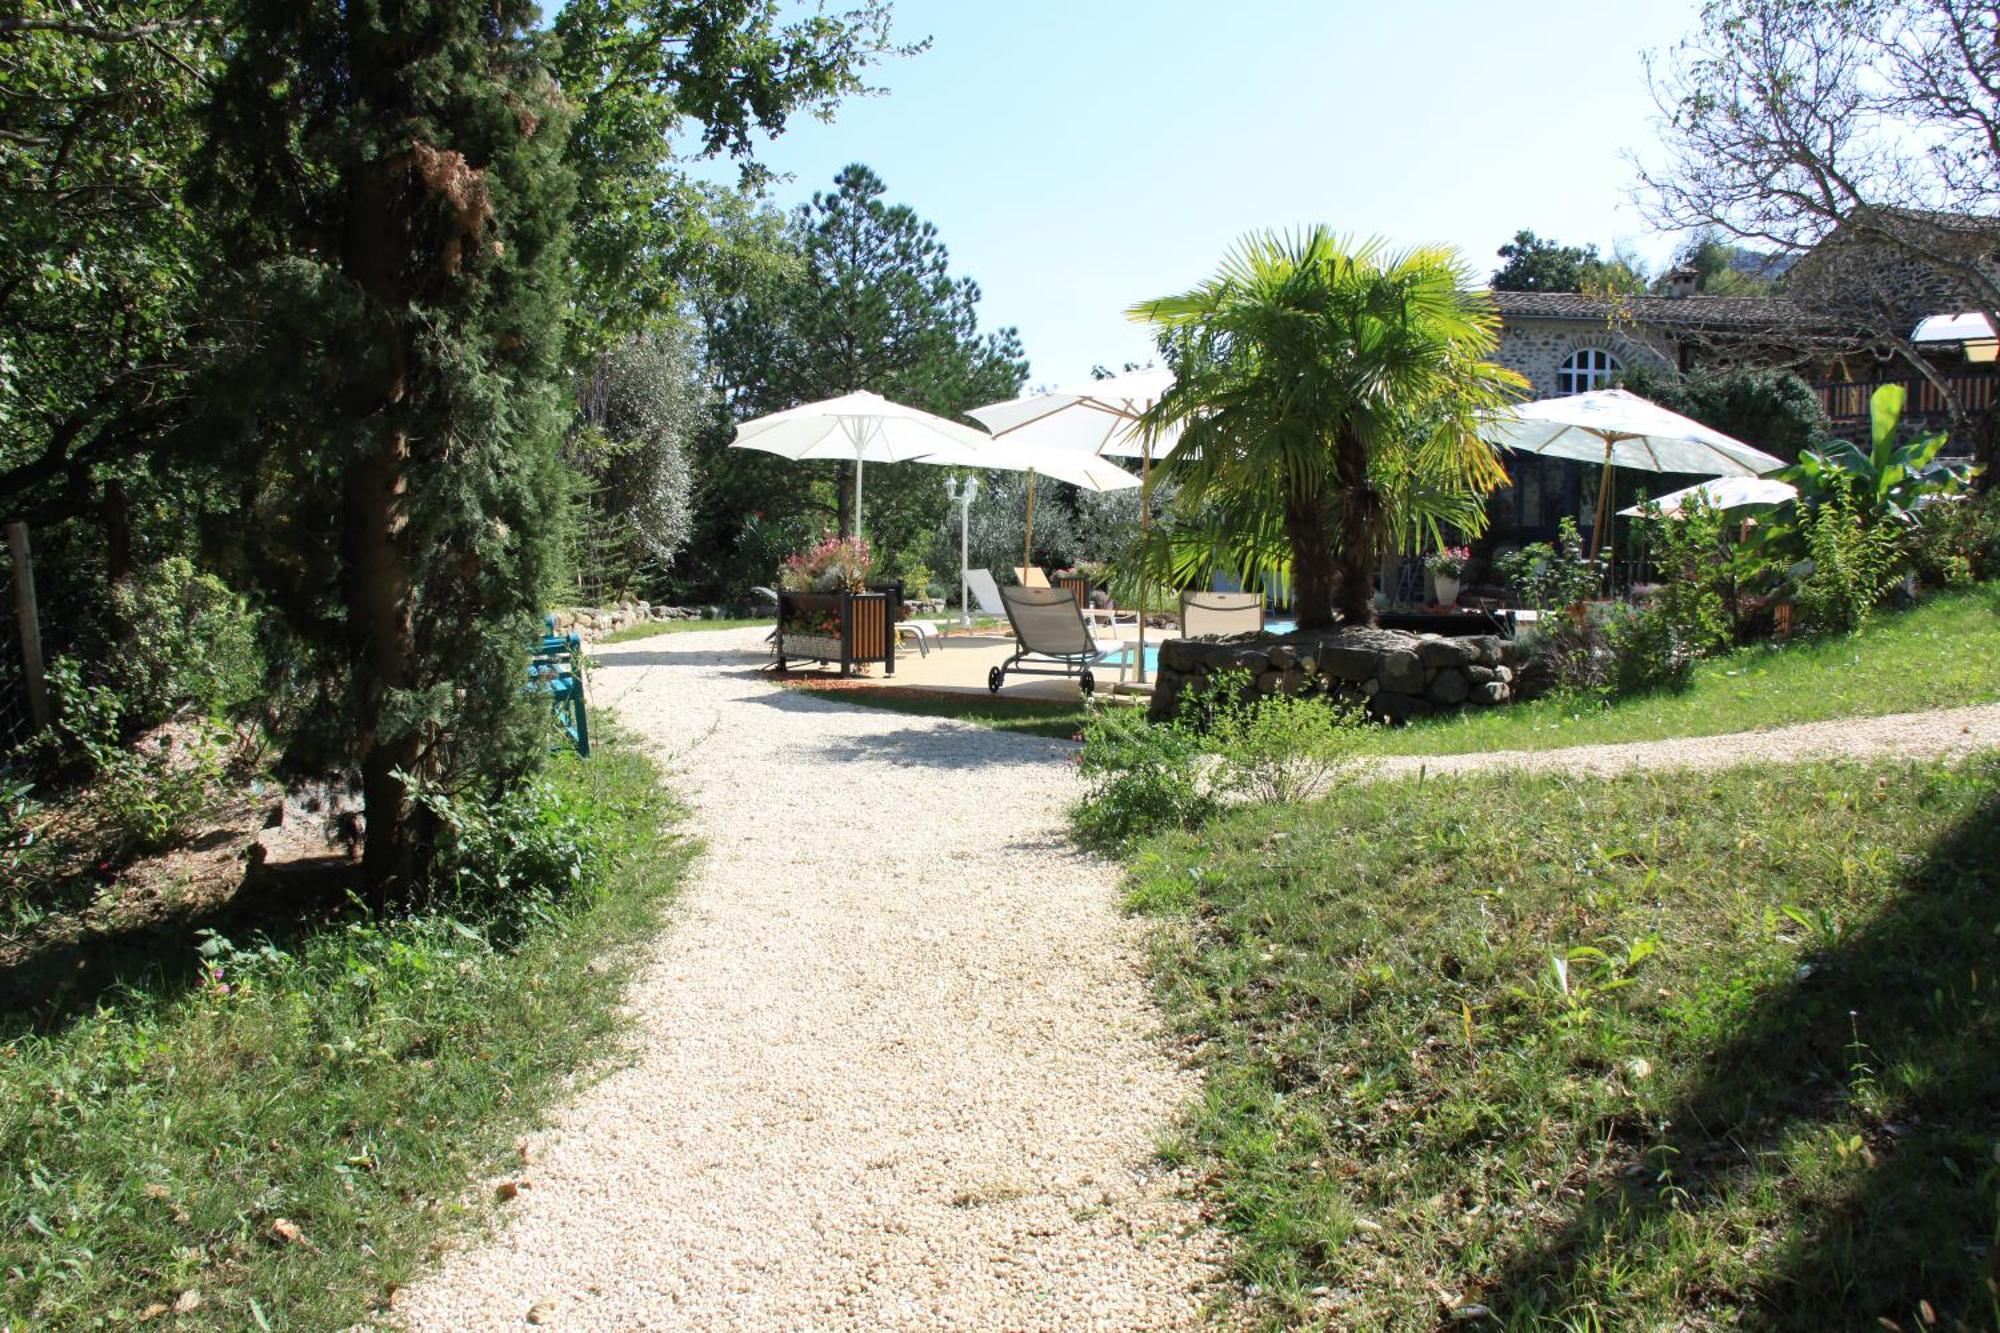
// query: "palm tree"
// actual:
[[1329, 397]]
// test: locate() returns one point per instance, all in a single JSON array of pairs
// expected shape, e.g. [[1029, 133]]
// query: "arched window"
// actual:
[[1587, 368]]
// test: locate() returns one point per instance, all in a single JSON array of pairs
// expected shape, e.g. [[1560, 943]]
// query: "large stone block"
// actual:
[[1491, 649], [1401, 673], [1349, 663], [1399, 707], [1449, 686], [1447, 652], [1493, 692]]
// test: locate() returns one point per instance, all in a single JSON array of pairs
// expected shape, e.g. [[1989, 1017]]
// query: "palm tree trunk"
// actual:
[[1360, 527], [1314, 570]]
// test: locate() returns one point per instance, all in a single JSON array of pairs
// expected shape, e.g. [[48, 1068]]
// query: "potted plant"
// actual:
[[825, 611], [1447, 567]]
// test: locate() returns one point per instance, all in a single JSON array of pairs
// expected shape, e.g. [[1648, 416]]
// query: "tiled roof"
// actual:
[[1686, 312]]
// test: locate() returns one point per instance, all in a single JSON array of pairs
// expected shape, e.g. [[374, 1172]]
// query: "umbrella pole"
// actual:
[[1601, 529], [1028, 538], [858, 465], [1145, 508]]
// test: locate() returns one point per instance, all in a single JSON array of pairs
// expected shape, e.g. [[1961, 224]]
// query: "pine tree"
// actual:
[[393, 396], [872, 304]]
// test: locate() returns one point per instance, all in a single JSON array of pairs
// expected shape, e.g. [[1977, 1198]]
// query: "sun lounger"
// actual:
[[985, 592], [925, 632], [1048, 627], [1221, 613], [1031, 576]]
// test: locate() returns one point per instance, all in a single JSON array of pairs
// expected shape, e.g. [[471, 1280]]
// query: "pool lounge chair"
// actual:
[[1221, 613], [1048, 627], [1031, 576], [985, 592]]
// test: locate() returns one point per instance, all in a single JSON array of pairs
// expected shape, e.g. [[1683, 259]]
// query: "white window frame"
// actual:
[[1585, 369]]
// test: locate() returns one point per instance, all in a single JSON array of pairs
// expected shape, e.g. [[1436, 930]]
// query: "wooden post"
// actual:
[[31, 626]]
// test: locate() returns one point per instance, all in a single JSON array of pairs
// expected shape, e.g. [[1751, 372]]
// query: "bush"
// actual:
[[1571, 653], [1547, 577], [150, 795], [1225, 743], [1143, 776], [1685, 618], [191, 645], [1957, 542], [1279, 749], [1850, 567]]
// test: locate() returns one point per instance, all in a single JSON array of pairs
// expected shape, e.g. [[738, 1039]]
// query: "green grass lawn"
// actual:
[[649, 628], [1942, 653], [275, 1135], [1668, 1051]]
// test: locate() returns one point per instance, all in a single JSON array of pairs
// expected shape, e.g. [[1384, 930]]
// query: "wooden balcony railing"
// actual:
[[1848, 402]]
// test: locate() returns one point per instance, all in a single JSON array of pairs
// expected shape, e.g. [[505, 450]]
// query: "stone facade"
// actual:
[[1396, 675], [1537, 348]]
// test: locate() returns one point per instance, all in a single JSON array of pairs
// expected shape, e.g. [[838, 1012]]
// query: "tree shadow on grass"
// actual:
[[51, 986], [1893, 1024]]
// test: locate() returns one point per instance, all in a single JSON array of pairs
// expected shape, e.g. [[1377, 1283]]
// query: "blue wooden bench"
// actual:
[[555, 669]]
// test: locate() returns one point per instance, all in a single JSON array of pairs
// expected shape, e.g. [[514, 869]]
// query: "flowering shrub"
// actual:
[[836, 564], [1449, 562]]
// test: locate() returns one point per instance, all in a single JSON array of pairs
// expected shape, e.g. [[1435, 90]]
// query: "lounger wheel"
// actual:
[[1089, 684], [993, 679]]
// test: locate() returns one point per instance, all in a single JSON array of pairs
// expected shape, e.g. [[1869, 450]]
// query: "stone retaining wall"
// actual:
[[1399, 675]]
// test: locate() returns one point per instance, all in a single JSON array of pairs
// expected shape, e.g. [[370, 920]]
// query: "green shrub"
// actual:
[[1546, 577], [1851, 566], [1685, 617], [1571, 652], [1957, 542], [1143, 777], [1278, 748], [152, 794], [192, 644]]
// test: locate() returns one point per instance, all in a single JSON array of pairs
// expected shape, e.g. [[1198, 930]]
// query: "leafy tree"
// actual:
[[869, 302], [657, 84], [103, 267], [1329, 395], [640, 406], [395, 400], [1787, 122], [1536, 265], [1773, 409], [1723, 269]]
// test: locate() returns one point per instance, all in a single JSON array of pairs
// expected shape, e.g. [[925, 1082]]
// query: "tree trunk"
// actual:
[[1360, 528], [380, 613], [1314, 570]]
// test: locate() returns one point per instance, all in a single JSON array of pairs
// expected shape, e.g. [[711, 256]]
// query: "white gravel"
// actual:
[[894, 1064], [1943, 733]]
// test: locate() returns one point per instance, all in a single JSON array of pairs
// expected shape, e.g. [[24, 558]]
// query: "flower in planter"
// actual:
[[1449, 562], [834, 564]]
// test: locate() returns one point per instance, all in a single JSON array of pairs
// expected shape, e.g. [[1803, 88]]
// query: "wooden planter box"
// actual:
[[1079, 588], [841, 629]]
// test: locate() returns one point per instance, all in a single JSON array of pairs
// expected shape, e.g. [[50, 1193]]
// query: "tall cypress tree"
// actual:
[[394, 389]]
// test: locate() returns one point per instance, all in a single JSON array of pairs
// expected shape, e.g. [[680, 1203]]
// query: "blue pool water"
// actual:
[[1153, 648]]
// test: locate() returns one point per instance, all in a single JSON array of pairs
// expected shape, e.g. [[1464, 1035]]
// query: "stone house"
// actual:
[[1567, 342]]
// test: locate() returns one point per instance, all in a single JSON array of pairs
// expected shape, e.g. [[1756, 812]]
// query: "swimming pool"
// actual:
[[1123, 656]]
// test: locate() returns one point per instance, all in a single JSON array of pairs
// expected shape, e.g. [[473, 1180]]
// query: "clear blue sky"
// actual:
[[1080, 156]]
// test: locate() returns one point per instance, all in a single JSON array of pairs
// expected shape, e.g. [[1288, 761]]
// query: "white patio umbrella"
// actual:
[[1620, 429], [865, 427], [1722, 493], [1096, 417]]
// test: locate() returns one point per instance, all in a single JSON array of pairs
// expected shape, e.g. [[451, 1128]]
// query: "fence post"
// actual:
[[31, 626]]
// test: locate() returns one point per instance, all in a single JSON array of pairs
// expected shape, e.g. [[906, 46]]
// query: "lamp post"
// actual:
[[964, 498]]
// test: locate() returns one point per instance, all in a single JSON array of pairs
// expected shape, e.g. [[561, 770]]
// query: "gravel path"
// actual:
[[894, 1066], [1943, 733]]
